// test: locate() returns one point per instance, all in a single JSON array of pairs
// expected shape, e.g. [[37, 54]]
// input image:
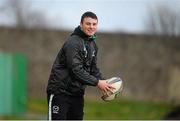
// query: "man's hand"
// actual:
[[105, 87]]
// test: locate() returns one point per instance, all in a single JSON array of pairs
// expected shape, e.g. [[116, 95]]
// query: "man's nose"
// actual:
[[91, 26]]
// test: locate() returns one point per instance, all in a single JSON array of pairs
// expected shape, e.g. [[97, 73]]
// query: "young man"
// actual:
[[74, 68]]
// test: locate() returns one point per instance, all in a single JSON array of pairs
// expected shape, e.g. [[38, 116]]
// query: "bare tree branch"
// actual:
[[24, 17], [163, 20]]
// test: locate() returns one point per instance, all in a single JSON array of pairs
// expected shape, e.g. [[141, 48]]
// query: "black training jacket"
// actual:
[[75, 66]]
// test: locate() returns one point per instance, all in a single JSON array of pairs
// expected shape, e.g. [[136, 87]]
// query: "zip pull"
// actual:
[[93, 54], [85, 49]]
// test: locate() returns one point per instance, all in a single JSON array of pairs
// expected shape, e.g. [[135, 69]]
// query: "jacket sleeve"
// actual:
[[75, 64]]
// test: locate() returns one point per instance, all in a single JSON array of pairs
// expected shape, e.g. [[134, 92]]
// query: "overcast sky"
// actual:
[[113, 15]]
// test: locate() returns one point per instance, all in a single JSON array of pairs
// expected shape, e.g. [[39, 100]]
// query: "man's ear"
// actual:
[[81, 26]]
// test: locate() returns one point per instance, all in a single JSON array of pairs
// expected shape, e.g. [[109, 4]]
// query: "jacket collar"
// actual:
[[80, 33]]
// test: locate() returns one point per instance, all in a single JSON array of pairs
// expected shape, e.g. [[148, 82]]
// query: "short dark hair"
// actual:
[[88, 14]]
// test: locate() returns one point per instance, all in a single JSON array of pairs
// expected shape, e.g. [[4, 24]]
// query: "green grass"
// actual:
[[122, 109], [119, 109], [37, 105]]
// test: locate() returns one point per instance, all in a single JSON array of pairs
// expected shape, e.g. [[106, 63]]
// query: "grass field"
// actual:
[[125, 109], [119, 109]]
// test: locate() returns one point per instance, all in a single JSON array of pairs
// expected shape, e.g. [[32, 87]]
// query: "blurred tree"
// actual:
[[163, 20], [23, 15]]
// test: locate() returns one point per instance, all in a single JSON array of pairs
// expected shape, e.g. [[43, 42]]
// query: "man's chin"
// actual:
[[90, 34]]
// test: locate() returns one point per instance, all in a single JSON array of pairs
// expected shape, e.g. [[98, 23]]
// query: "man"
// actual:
[[74, 68]]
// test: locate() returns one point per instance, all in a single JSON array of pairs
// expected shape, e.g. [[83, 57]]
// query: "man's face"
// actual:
[[89, 26]]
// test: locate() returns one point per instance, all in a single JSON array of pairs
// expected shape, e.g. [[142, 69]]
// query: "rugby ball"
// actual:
[[117, 83]]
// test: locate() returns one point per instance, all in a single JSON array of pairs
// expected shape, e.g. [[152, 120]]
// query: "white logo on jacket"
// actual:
[[55, 109]]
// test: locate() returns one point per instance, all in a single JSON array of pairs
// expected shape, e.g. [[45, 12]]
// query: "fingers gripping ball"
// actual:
[[117, 83]]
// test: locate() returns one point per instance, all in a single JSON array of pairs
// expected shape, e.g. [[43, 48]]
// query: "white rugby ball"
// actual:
[[117, 83]]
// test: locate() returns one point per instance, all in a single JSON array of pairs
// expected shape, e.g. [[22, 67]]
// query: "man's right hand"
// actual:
[[104, 86]]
